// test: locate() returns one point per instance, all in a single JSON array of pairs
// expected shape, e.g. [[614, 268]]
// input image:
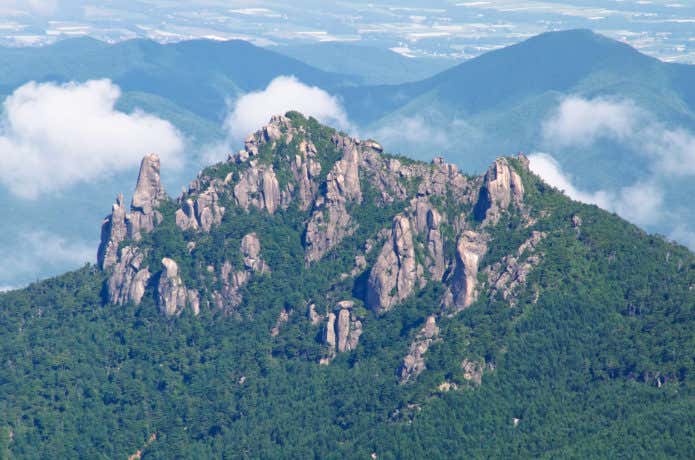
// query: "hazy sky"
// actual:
[[461, 28]]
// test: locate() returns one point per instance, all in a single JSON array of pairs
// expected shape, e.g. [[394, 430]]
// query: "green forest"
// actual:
[[596, 358]]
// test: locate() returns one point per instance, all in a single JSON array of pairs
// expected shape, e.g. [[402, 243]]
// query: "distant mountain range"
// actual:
[[368, 64], [499, 103]]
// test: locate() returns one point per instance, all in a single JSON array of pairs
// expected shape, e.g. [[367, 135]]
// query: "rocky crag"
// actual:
[[439, 229]]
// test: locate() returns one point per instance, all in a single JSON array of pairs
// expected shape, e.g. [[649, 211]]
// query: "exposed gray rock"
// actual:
[[343, 330], [251, 251], [470, 249], [202, 213], [149, 192], [128, 279], [232, 281], [427, 221], [329, 338], [306, 169], [258, 187], [414, 361], [395, 271], [330, 221], [501, 187], [172, 295], [505, 277], [113, 232]]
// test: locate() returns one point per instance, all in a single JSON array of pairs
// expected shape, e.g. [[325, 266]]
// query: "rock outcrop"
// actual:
[[342, 331], [172, 295], [229, 296], [427, 222], [143, 215], [463, 292], [128, 279], [501, 187], [113, 232], [395, 272], [149, 192], [258, 187], [251, 251], [330, 221], [414, 361], [201, 213], [505, 277]]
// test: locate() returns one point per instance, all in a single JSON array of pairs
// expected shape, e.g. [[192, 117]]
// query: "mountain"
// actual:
[[196, 76], [635, 107], [314, 296], [373, 66], [188, 83]]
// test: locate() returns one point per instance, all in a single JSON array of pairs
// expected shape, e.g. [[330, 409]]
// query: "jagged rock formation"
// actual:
[[149, 192], [502, 186], [172, 295], [258, 187], [506, 276], [414, 361], [128, 278], [113, 231], [427, 222], [470, 249], [143, 215], [330, 221], [251, 251], [229, 297], [203, 212], [342, 331], [395, 272], [281, 170]]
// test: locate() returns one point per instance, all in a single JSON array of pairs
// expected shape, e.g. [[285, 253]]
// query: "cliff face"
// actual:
[[441, 226]]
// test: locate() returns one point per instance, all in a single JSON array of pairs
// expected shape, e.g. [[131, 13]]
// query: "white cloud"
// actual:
[[283, 94], [641, 203], [421, 132], [53, 136], [580, 121]]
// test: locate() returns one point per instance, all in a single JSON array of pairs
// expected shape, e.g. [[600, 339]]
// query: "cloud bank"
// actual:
[[284, 93], [54, 136], [641, 203], [581, 122]]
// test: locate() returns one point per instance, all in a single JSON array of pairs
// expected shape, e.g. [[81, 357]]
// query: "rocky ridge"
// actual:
[[440, 231]]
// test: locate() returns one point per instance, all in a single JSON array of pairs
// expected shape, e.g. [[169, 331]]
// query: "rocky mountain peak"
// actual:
[[404, 224]]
